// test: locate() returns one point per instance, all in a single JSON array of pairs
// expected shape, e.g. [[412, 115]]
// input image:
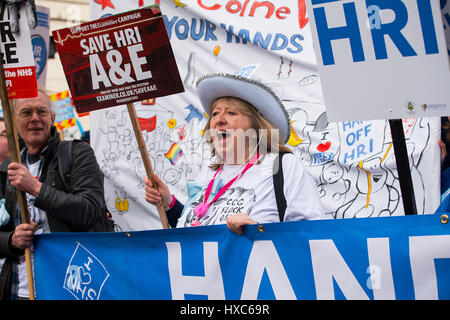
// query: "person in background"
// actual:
[[246, 130], [52, 208], [86, 137], [4, 151], [444, 207], [444, 143], [4, 154]]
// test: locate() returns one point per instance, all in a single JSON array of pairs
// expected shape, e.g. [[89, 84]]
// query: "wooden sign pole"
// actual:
[[14, 151], [403, 169], [146, 159]]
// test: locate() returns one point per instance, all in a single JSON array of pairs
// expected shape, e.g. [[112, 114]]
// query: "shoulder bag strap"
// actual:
[[278, 184], [65, 162]]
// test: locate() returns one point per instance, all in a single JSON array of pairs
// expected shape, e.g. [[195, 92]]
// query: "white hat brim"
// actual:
[[213, 86]]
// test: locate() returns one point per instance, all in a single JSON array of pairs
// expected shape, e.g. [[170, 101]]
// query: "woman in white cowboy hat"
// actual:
[[247, 128]]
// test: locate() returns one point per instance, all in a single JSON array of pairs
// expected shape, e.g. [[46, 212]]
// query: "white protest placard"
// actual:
[[17, 57], [381, 59], [40, 37], [445, 7]]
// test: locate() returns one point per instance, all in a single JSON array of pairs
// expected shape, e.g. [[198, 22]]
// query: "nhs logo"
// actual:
[[375, 55]]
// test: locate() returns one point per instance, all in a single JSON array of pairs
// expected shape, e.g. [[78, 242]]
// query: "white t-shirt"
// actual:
[[38, 216], [253, 193]]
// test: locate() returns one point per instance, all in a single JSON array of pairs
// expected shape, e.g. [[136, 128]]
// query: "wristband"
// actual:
[[170, 206]]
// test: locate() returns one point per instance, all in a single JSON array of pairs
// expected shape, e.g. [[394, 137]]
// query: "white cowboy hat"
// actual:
[[216, 85]]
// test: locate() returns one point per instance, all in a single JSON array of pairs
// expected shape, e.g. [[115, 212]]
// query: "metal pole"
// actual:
[[403, 169]]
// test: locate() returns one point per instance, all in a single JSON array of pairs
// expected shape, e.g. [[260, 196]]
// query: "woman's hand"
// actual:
[[237, 222], [158, 195]]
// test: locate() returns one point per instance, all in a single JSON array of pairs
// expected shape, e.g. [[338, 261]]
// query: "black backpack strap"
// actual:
[[65, 162], [278, 185]]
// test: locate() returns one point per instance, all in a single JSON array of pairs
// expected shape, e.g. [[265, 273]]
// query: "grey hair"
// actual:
[[41, 90]]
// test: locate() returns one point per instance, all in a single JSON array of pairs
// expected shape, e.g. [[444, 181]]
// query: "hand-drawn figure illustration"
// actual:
[[107, 165], [370, 183], [191, 77], [193, 113], [333, 188], [112, 130], [122, 205], [417, 136], [126, 145]]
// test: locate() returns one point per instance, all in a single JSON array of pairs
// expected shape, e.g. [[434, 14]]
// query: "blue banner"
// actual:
[[404, 257]]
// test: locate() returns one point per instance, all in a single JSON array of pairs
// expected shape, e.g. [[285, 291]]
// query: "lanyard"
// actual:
[[37, 171], [201, 209]]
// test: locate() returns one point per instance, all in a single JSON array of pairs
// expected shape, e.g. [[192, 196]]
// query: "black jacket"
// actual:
[[81, 209]]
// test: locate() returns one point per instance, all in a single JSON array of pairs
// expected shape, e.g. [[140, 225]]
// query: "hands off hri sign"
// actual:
[[381, 59]]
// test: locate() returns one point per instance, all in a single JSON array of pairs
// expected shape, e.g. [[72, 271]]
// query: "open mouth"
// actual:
[[36, 130], [222, 135]]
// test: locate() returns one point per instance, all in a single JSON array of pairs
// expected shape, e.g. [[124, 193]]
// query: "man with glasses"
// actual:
[[52, 208]]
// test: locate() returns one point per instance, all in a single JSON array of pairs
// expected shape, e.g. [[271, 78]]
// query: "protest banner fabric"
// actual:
[[118, 59], [352, 161], [374, 258], [17, 57]]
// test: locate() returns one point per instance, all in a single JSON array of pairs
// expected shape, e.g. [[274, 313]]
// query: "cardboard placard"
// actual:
[[118, 60], [17, 57], [380, 59]]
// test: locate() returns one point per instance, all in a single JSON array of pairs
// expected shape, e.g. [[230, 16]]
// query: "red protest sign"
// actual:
[[118, 60]]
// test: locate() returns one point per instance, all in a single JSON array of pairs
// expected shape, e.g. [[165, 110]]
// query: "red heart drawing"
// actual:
[[324, 147]]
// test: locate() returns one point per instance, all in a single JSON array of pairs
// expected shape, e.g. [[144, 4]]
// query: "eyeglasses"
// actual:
[[28, 113]]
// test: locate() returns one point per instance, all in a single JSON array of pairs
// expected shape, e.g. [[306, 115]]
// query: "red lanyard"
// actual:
[[201, 209]]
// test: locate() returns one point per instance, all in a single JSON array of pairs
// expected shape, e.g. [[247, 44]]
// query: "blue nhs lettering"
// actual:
[[393, 30]]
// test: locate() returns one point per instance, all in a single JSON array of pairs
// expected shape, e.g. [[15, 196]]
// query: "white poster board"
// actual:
[[40, 37], [381, 59], [17, 56], [445, 7]]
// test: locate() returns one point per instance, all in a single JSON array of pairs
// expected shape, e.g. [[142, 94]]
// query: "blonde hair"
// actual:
[[260, 124]]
